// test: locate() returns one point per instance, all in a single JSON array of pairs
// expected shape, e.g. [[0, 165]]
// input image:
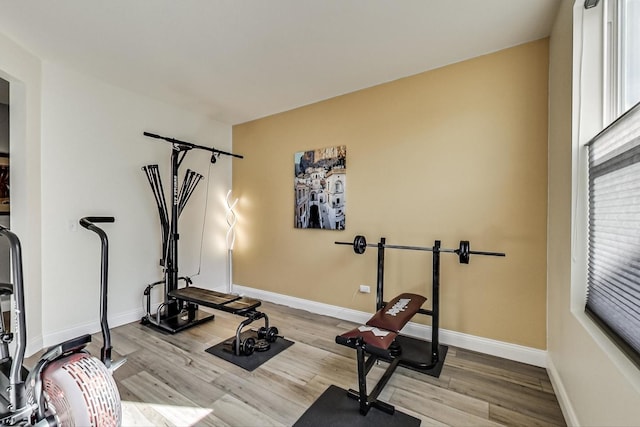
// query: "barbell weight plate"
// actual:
[[272, 334], [463, 252], [247, 346], [262, 345], [359, 244], [269, 334]]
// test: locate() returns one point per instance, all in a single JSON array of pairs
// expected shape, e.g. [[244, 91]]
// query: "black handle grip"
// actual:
[[152, 135], [89, 220]]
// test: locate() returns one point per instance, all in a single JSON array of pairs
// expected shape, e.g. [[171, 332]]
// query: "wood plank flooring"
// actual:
[[169, 380]]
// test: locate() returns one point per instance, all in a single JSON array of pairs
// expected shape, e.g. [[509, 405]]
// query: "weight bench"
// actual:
[[378, 339], [234, 304], [229, 303]]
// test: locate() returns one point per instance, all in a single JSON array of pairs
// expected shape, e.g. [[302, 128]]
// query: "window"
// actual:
[[613, 295], [630, 59], [622, 57], [613, 277]]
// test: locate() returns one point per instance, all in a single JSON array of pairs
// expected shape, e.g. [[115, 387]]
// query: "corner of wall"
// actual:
[[559, 389]]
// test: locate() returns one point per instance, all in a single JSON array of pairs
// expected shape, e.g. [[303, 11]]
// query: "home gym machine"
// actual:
[[179, 310], [380, 337], [66, 386]]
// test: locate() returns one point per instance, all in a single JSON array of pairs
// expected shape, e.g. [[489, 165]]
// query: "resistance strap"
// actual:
[[191, 180], [153, 176]]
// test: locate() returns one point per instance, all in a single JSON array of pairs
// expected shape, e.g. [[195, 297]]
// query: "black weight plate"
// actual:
[[262, 345], [247, 346], [359, 244], [262, 332], [464, 252], [272, 334]]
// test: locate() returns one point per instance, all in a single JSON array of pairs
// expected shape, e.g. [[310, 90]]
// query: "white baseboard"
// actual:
[[531, 356], [90, 328], [509, 351], [34, 345], [561, 394]]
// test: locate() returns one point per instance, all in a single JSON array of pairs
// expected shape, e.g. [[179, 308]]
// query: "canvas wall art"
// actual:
[[320, 187]]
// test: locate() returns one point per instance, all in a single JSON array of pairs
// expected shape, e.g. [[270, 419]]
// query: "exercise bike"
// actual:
[[67, 386]]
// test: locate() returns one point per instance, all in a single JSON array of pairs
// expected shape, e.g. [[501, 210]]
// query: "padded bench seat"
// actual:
[[382, 329], [375, 340], [217, 300]]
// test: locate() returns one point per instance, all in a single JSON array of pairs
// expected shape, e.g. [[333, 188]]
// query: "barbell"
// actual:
[[463, 251]]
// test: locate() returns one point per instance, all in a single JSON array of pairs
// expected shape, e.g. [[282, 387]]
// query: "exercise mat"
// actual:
[[334, 408], [253, 360]]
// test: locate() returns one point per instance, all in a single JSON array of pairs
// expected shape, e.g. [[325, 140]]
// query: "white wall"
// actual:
[[92, 153], [595, 384]]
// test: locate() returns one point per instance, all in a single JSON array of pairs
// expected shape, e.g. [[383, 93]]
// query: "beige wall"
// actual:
[[595, 384], [457, 153]]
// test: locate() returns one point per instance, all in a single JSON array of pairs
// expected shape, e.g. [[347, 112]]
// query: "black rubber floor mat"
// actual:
[[255, 359], [334, 408]]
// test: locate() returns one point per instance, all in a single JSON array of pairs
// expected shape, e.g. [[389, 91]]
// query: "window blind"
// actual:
[[613, 288]]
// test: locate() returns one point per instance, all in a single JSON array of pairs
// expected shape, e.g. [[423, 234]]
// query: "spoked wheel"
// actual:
[[80, 391]]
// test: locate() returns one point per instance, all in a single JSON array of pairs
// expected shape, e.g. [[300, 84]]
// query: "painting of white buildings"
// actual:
[[319, 188]]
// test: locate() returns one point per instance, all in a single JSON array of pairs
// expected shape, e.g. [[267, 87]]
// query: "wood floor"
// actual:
[[170, 380]]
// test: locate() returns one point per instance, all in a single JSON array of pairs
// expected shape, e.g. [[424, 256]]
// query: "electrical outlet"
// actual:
[[365, 289]]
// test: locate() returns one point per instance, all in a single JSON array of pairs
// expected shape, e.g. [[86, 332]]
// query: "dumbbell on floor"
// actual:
[[246, 347], [269, 334]]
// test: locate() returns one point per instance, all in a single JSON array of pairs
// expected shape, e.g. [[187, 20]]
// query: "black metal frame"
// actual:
[[105, 352], [14, 403], [435, 306], [173, 314], [251, 316], [405, 351]]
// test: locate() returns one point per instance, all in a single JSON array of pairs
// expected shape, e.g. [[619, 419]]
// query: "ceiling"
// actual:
[[238, 60]]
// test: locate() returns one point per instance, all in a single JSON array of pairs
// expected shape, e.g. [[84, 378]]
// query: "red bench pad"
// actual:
[[371, 336], [397, 312]]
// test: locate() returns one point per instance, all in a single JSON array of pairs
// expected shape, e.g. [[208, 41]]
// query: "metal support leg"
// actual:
[[362, 381], [251, 317], [367, 401], [435, 294]]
